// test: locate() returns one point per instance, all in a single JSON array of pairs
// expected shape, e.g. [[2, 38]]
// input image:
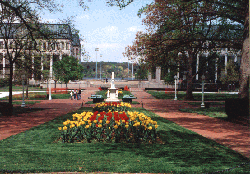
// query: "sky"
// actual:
[[107, 28]]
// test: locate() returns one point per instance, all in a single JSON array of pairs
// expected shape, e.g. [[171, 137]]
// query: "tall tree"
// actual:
[[175, 27], [68, 69]]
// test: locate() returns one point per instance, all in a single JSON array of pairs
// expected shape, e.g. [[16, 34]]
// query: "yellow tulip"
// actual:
[[59, 128], [115, 126], [65, 128], [95, 121], [126, 126], [156, 126], [150, 127], [87, 126], [99, 125], [107, 122], [100, 121]]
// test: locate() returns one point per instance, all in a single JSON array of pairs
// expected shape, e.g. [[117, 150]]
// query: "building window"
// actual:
[[44, 46], [67, 46], [62, 45]]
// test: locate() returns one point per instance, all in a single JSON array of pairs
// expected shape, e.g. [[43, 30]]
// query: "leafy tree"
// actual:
[[232, 75], [182, 27], [68, 69]]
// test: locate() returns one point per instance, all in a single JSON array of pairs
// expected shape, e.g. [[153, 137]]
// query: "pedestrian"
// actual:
[[79, 94], [71, 94], [75, 94]]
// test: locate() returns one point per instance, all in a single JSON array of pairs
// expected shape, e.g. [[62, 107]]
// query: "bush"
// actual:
[[4, 82]]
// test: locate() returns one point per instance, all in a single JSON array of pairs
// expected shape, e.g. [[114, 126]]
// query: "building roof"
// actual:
[[76, 40], [55, 31]]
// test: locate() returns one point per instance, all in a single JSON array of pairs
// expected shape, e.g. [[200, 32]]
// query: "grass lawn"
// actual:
[[38, 96], [216, 112], [211, 103], [20, 88], [197, 97], [183, 151]]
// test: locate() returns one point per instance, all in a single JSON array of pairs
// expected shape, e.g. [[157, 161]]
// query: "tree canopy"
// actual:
[[67, 69]]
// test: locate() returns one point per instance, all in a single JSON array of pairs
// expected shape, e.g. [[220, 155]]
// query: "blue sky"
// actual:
[[107, 28]]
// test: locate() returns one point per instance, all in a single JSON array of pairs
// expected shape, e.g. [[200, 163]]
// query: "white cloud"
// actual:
[[84, 16], [135, 29]]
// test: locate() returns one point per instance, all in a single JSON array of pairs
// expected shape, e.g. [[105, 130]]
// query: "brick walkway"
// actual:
[[50, 109], [232, 135]]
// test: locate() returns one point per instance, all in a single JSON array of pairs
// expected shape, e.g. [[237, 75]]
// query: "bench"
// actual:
[[96, 98], [128, 98]]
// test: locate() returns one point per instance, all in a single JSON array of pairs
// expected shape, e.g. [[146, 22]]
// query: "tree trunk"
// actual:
[[189, 94], [10, 88], [55, 86], [244, 66]]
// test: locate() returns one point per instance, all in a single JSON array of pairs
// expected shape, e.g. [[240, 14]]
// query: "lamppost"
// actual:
[[175, 79], [96, 49], [50, 87], [100, 68], [203, 78], [23, 103]]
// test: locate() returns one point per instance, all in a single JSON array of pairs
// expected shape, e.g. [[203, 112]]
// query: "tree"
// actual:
[[183, 27], [67, 69]]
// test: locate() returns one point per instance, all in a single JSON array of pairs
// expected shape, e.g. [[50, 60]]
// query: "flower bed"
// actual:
[[112, 106], [133, 127]]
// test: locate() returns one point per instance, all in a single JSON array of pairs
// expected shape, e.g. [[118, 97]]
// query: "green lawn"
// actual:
[[39, 96], [197, 97], [216, 112], [20, 88], [182, 151]]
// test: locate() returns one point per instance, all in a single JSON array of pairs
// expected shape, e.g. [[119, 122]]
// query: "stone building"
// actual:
[[61, 42]]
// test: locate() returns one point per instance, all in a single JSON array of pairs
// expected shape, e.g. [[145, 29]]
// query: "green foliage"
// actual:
[[169, 78], [68, 69], [4, 82], [232, 73]]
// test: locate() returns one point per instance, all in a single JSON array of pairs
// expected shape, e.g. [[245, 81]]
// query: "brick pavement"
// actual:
[[50, 109], [232, 135]]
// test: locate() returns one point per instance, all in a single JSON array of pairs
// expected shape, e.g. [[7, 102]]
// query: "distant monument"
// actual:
[[112, 94]]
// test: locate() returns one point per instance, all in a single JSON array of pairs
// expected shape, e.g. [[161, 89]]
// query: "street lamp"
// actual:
[[50, 88], [203, 78], [96, 49], [100, 67], [175, 79], [23, 103]]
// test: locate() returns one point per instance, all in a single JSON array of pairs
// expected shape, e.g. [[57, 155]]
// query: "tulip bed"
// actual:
[[112, 106], [130, 127]]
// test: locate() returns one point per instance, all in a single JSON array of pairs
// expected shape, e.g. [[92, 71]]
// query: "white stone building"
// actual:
[[62, 42]]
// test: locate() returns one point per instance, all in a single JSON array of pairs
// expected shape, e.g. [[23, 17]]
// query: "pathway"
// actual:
[[50, 109], [234, 136]]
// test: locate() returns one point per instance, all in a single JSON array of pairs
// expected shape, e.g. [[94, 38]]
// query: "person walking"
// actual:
[[75, 94], [79, 94], [71, 94]]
